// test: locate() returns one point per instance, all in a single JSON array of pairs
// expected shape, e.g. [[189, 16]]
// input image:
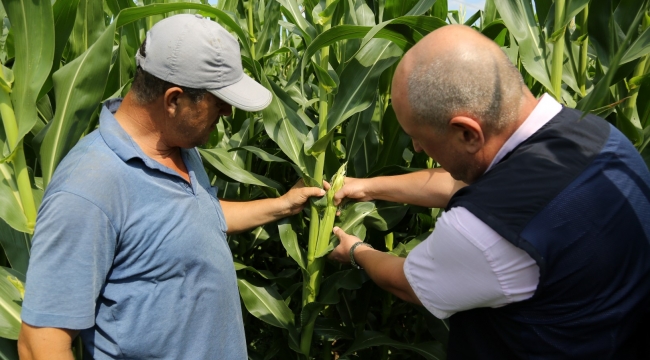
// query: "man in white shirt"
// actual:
[[463, 103]]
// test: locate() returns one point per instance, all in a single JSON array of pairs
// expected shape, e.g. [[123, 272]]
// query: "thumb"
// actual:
[[339, 232], [339, 196], [314, 191]]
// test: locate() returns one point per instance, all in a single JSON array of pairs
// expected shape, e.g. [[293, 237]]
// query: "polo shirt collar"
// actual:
[[122, 143], [115, 137]]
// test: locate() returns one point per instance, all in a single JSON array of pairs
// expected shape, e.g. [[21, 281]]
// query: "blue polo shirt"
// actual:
[[133, 255]]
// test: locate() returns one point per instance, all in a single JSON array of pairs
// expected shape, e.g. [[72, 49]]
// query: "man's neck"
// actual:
[[138, 121], [496, 141]]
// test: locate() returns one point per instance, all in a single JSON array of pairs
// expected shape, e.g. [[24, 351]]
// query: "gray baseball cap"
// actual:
[[196, 52]]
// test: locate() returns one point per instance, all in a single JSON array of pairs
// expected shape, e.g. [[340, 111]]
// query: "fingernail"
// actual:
[[323, 192]]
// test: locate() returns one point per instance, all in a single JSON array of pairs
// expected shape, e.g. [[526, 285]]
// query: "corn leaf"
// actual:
[[357, 129], [520, 20], [11, 208], [88, 27], [10, 304], [16, 245], [221, 161], [266, 304], [362, 75], [32, 26], [78, 95], [290, 242], [428, 350]]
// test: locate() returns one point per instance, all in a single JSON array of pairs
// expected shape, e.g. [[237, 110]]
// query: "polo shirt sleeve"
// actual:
[[464, 264], [72, 252]]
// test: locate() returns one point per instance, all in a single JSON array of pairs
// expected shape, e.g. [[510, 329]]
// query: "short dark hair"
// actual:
[[148, 88]]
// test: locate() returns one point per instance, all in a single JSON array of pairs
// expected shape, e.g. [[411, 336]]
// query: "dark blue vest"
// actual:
[[576, 197]]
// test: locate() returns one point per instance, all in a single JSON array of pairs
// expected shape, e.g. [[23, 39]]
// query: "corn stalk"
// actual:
[[558, 49], [639, 70], [581, 21], [315, 265], [18, 159]]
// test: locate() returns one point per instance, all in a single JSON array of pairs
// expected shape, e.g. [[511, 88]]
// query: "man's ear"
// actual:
[[171, 100], [468, 132]]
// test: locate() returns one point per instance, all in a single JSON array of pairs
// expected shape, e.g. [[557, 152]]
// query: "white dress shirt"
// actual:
[[464, 264]]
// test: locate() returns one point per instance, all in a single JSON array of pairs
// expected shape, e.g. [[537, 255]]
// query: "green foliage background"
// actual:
[[329, 64]]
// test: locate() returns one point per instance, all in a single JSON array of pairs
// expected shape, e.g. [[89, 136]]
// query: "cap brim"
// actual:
[[246, 94]]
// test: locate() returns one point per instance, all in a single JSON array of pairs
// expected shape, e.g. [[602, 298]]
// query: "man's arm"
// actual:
[[386, 270], [244, 215], [35, 343], [429, 188]]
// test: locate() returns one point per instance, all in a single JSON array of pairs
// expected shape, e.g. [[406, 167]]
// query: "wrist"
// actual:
[[356, 248], [372, 188]]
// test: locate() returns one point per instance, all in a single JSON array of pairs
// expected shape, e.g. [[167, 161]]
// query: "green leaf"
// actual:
[[32, 25], [572, 8], [640, 47], [265, 303], [332, 329], [16, 246], [260, 153], [421, 7], [292, 11], [329, 292], [220, 160], [10, 304], [520, 20], [386, 215], [290, 242], [10, 203], [362, 76], [264, 273], [428, 350], [328, 80], [64, 12], [439, 9], [284, 126], [366, 158], [8, 349], [402, 249], [395, 141], [472, 19], [594, 99], [78, 95], [357, 129], [88, 27]]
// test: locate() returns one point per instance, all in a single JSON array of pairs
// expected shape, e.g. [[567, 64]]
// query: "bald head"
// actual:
[[456, 71]]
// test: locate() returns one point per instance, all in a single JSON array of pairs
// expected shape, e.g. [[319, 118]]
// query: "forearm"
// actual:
[[387, 271], [432, 188], [243, 215], [36, 343]]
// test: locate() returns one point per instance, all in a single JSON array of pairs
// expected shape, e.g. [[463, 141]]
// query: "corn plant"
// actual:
[[329, 65]]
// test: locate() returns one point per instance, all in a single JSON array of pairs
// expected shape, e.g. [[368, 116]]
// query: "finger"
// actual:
[[313, 191], [326, 185], [339, 196], [339, 232]]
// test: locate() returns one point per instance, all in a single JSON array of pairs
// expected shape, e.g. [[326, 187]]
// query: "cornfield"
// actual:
[[329, 65]]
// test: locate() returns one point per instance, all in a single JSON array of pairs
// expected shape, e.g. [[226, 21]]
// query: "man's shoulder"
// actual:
[[89, 166]]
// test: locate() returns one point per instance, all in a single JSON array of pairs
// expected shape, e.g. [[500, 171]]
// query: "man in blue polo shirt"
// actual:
[[130, 245]]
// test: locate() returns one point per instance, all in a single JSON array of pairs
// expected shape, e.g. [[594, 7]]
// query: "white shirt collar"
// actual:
[[545, 110]]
